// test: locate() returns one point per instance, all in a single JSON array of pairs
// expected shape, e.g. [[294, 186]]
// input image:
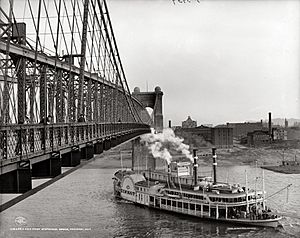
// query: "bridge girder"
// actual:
[[51, 75]]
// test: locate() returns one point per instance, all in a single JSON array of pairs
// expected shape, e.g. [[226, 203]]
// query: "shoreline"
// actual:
[[262, 156], [282, 169]]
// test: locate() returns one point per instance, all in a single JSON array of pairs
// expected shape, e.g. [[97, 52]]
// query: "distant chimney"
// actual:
[[170, 124], [214, 164], [270, 125], [196, 186]]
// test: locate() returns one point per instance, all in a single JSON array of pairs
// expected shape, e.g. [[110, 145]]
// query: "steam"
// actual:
[[160, 144]]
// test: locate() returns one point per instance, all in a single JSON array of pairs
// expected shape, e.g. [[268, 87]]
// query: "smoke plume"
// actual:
[[159, 144]]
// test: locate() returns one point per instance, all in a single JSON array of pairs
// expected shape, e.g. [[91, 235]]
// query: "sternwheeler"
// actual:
[[184, 192]]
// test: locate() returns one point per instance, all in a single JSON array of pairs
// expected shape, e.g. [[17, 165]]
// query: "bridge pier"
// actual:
[[114, 141], [87, 152], [141, 158], [17, 181], [71, 159], [48, 168], [98, 147], [121, 139], [107, 144]]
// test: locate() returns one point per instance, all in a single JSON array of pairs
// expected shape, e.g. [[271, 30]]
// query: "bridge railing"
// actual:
[[24, 141]]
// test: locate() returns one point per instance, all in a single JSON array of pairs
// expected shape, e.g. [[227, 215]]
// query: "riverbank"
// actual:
[[283, 169], [266, 155], [238, 155]]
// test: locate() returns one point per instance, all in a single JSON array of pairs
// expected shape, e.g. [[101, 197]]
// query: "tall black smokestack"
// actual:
[[169, 173], [196, 186], [170, 124], [214, 164], [170, 181], [270, 125]]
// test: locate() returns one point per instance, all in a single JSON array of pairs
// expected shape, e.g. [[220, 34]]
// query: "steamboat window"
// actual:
[[163, 201], [169, 202], [151, 199], [199, 197], [205, 208], [185, 205], [174, 203], [198, 207], [179, 204], [192, 206]]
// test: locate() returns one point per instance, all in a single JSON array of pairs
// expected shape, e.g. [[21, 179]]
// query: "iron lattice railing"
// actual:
[[19, 142]]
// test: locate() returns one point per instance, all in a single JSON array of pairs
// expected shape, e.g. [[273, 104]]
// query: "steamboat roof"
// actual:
[[188, 189]]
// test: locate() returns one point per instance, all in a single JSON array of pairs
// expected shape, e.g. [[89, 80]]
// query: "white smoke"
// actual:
[[159, 143]]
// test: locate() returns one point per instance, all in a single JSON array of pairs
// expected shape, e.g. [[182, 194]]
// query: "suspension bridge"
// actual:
[[64, 95]]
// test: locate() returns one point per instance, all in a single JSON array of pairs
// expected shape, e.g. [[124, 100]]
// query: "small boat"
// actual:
[[196, 196]]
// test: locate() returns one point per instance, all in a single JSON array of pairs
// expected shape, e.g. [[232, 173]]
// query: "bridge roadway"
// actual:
[[40, 150]]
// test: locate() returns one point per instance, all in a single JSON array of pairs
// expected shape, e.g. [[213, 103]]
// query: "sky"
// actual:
[[217, 61]]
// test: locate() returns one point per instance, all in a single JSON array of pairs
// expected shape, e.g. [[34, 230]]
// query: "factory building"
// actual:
[[222, 136], [258, 137], [204, 136], [241, 130]]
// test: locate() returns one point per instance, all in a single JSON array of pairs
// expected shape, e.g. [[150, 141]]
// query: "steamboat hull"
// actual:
[[272, 223], [264, 223], [245, 222]]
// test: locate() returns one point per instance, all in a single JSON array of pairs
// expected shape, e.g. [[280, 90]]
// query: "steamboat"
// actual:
[[193, 195]]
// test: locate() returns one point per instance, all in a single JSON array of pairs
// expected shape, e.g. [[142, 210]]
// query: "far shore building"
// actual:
[[258, 137], [222, 136], [205, 136], [189, 123], [279, 133], [241, 130]]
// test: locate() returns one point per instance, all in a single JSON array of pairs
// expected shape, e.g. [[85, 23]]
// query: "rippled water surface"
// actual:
[[82, 205]]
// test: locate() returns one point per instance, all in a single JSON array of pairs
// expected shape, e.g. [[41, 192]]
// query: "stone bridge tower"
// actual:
[[154, 101], [141, 158]]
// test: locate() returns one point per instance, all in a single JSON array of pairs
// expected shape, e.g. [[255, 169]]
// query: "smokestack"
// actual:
[[270, 125], [170, 181], [214, 164], [169, 173], [196, 186], [170, 124]]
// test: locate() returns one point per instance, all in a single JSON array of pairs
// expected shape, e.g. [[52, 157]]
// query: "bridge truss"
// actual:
[[62, 83]]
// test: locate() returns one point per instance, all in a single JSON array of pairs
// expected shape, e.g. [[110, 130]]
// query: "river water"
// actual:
[[82, 205]]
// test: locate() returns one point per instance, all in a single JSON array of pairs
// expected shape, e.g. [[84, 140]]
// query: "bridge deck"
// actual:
[[38, 142]]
